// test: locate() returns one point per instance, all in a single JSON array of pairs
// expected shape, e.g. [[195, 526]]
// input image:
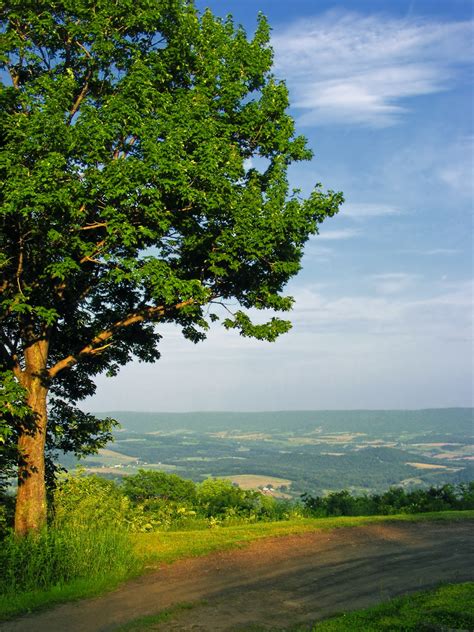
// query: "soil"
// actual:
[[277, 583]]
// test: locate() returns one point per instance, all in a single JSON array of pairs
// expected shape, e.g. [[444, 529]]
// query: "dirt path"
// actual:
[[280, 582]]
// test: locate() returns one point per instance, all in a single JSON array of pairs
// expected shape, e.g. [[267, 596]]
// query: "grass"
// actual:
[[63, 564], [149, 550], [168, 546]]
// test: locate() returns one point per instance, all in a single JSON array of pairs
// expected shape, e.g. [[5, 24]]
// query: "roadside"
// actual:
[[279, 582]]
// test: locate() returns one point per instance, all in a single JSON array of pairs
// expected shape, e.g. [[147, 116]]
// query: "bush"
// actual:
[[87, 501], [147, 485], [218, 497]]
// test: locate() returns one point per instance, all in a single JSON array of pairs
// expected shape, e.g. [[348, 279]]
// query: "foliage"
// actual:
[[147, 485], [93, 497], [128, 193], [394, 501], [7, 508], [87, 539], [218, 497], [13, 409], [449, 607], [69, 430]]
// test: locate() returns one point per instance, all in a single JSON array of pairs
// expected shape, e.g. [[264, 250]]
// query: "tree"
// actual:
[[150, 485], [129, 199]]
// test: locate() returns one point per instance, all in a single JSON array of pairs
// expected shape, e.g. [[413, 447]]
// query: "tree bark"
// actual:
[[31, 509]]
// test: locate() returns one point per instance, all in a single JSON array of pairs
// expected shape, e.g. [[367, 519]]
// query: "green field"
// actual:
[[318, 451]]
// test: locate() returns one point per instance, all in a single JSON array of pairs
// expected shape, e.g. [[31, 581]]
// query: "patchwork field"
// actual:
[[431, 466], [305, 451], [254, 481]]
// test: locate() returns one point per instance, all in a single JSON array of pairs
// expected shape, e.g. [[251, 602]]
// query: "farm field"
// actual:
[[303, 451]]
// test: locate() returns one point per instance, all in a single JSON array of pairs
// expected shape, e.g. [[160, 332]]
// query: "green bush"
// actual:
[[147, 485], [87, 501], [220, 497]]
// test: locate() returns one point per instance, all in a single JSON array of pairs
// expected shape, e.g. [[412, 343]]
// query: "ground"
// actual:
[[279, 582]]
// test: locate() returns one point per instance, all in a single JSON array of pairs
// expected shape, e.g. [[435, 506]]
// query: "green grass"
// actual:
[[169, 546], [62, 564], [449, 607], [153, 549]]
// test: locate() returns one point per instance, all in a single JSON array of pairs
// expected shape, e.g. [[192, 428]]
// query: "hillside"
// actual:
[[314, 451]]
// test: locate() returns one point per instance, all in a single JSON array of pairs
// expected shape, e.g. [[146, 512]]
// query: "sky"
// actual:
[[383, 91]]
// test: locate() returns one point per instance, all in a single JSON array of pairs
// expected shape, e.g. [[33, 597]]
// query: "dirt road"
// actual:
[[280, 582]]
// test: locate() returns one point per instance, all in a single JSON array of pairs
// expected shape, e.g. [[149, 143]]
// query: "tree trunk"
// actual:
[[30, 512]]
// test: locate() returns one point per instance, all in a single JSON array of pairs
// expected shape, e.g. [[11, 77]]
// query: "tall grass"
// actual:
[[86, 548], [58, 555]]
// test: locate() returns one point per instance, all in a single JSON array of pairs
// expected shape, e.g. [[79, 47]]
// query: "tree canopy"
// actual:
[[143, 180]]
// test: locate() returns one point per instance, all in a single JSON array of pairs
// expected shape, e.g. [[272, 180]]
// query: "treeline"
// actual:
[[394, 501], [153, 501]]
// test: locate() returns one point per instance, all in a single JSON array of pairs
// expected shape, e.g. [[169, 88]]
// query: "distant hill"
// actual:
[[441, 420], [315, 450]]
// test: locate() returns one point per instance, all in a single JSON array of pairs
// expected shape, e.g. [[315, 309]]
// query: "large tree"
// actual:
[[129, 199]]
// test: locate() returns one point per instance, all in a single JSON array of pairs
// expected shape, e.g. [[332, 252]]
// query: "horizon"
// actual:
[[292, 410]]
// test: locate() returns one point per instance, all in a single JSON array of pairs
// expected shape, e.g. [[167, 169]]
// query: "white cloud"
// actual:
[[445, 313], [394, 282], [345, 67], [343, 233], [437, 251], [370, 209], [349, 351], [314, 251], [458, 170]]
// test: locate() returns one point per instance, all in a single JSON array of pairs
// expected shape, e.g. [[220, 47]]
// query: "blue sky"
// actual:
[[383, 91]]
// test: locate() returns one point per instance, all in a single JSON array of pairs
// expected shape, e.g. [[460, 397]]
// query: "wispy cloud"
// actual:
[[343, 233], [446, 313], [363, 210], [436, 252], [344, 67], [394, 282], [317, 252], [458, 173]]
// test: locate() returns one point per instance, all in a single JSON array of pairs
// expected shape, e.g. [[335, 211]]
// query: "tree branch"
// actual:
[[92, 348], [94, 254], [92, 226], [14, 77], [80, 98]]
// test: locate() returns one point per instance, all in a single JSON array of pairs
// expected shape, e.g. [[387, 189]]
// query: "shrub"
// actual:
[[147, 485], [393, 501], [87, 501], [217, 496]]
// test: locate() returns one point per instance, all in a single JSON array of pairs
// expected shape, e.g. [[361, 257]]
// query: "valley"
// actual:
[[289, 453]]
